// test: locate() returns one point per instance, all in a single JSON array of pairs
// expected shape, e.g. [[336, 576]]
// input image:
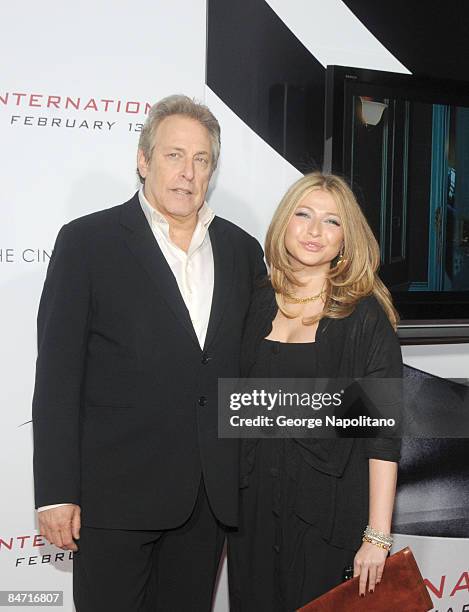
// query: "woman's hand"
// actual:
[[369, 564]]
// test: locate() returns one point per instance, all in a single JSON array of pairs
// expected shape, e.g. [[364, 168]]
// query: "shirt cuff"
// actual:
[[53, 506]]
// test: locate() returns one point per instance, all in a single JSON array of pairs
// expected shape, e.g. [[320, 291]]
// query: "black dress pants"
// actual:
[[150, 571]]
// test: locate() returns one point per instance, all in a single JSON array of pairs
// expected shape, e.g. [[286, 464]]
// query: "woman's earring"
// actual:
[[341, 258]]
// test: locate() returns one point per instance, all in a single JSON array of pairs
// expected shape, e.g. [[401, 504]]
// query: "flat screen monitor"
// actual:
[[402, 142]]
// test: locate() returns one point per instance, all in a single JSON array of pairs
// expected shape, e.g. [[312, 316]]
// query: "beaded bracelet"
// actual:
[[377, 538]]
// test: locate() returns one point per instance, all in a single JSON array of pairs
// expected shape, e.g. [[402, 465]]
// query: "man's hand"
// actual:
[[61, 526]]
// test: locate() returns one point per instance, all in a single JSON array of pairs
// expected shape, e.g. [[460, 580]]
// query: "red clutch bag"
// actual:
[[401, 588]]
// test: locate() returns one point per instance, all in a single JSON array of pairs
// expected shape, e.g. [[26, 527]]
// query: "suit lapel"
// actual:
[[142, 243], [223, 260]]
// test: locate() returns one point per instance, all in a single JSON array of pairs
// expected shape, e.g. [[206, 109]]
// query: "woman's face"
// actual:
[[314, 234]]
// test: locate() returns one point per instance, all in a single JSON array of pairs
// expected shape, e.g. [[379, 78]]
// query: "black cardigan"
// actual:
[[333, 487]]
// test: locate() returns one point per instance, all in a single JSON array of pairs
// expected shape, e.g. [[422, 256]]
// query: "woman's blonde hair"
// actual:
[[353, 275]]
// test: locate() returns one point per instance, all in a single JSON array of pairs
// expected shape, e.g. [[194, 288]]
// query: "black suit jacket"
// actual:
[[125, 402]]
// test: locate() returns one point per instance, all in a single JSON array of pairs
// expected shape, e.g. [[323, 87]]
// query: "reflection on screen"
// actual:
[[409, 163]]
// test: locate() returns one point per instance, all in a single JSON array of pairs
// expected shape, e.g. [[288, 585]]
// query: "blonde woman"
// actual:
[[323, 313]]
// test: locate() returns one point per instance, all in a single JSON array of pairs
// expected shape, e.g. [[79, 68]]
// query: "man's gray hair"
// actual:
[[179, 105]]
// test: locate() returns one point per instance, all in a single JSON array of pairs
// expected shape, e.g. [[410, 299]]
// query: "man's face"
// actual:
[[178, 173]]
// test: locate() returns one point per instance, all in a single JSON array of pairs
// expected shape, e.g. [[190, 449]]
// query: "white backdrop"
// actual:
[[53, 172], [444, 564], [60, 162]]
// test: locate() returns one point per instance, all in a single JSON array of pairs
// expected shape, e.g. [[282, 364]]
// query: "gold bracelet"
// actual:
[[376, 543], [385, 538]]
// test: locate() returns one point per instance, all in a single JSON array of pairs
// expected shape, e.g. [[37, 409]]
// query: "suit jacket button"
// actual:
[[205, 359], [202, 401]]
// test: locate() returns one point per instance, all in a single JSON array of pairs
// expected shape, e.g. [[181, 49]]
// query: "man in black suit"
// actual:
[[142, 311]]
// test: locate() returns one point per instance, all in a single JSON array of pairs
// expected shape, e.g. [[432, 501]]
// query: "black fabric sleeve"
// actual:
[[383, 361], [63, 322], [259, 268]]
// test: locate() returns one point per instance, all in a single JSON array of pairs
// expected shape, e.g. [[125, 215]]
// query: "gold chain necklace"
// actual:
[[305, 300]]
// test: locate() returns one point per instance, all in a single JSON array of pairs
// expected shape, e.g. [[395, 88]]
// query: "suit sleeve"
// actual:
[[259, 268], [384, 379], [63, 322], [254, 321]]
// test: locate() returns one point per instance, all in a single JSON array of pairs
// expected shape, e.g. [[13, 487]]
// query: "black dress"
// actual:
[[282, 562], [304, 503]]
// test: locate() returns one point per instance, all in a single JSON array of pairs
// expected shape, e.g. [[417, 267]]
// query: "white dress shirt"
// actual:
[[193, 271]]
